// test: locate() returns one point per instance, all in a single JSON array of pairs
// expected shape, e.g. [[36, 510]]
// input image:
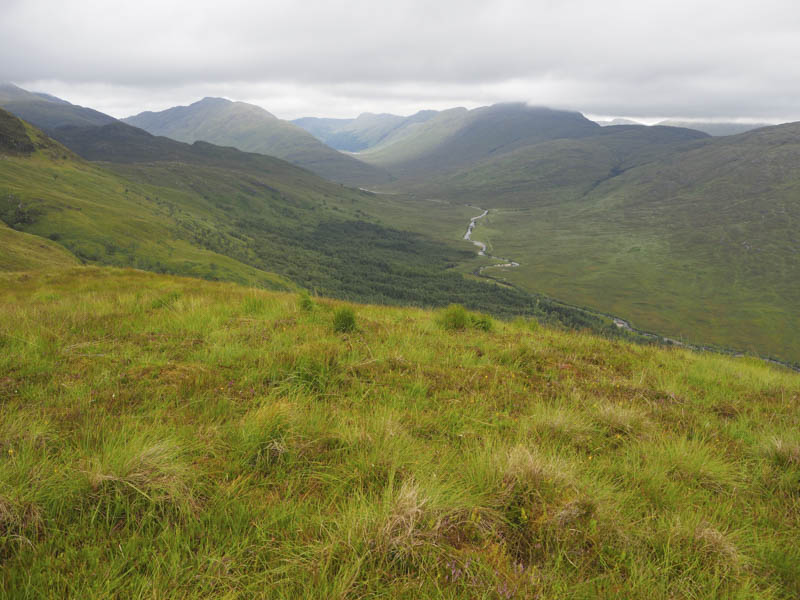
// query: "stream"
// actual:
[[482, 246]]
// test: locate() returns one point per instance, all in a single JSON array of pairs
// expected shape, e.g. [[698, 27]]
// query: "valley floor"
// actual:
[[171, 437]]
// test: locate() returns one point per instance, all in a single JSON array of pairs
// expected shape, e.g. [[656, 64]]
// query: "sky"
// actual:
[[644, 59]]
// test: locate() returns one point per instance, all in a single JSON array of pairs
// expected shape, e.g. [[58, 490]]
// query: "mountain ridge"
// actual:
[[253, 129]]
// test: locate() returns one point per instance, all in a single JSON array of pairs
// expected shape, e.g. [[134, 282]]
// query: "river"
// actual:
[[482, 246]]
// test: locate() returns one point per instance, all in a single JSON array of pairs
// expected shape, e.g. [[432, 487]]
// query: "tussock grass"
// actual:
[[457, 318], [167, 437], [344, 320]]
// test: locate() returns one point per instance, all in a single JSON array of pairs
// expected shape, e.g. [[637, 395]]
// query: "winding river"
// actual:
[[482, 246]]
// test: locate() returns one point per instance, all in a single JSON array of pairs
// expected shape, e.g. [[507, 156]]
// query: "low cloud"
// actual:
[[690, 59]]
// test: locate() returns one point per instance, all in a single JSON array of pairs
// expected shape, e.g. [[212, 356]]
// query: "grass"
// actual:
[[169, 437], [456, 318], [344, 320], [24, 252]]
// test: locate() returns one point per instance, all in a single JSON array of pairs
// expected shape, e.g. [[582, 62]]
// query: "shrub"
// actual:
[[344, 320]]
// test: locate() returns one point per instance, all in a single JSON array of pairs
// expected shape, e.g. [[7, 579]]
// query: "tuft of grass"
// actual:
[[305, 302], [783, 452], [128, 478], [454, 318], [344, 320], [457, 318]]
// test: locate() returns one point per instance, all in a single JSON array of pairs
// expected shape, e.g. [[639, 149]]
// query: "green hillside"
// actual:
[[25, 252], [253, 129], [458, 137], [166, 437], [701, 244], [553, 171], [222, 214], [101, 217], [47, 112], [363, 132]]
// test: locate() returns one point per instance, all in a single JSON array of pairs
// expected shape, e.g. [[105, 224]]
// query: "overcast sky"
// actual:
[[636, 58]]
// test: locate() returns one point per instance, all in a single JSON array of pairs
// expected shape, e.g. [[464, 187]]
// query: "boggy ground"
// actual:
[[167, 437]]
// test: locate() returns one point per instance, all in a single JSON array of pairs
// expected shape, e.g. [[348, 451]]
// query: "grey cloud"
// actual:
[[687, 58]]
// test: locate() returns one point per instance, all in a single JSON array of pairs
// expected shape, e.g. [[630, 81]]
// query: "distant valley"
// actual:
[[676, 231]]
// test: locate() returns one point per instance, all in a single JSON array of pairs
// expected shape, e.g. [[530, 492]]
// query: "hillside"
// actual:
[[253, 129], [556, 170], [26, 252], [222, 214], [701, 244], [170, 437], [363, 132], [459, 137], [48, 112]]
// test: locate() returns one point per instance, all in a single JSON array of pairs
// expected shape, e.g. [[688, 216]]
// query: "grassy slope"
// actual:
[[164, 437], [253, 129], [24, 252], [102, 217]]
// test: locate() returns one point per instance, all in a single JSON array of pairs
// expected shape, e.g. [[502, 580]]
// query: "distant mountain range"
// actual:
[[458, 137], [715, 128], [365, 131], [253, 129]]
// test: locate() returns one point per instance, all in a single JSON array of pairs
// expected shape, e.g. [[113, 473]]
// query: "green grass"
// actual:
[[168, 437], [25, 252]]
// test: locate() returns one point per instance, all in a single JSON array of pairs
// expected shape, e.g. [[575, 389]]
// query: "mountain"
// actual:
[[361, 133], [47, 112], [459, 137], [251, 128], [715, 128], [553, 170]]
